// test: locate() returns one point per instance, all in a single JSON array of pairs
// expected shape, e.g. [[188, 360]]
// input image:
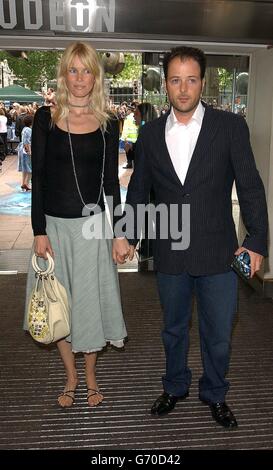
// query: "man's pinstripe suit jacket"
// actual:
[[222, 155]]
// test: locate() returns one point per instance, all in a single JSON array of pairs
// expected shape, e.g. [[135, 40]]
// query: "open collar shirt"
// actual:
[[181, 139]]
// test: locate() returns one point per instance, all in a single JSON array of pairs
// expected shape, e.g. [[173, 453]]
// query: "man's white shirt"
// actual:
[[181, 140]]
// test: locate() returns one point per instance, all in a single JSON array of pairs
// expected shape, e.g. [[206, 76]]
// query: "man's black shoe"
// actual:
[[223, 415], [166, 403]]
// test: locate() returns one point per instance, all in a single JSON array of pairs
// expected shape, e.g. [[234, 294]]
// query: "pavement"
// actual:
[[15, 225]]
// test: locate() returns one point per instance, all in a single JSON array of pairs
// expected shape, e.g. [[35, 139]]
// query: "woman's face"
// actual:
[[137, 116], [79, 79]]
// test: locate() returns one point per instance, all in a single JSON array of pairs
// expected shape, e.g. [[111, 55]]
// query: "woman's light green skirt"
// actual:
[[86, 269]]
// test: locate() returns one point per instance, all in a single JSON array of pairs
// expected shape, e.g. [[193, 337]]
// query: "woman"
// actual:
[[143, 113], [75, 158], [24, 153]]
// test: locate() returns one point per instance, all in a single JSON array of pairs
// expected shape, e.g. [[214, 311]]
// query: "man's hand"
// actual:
[[120, 250], [255, 259], [131, 252]]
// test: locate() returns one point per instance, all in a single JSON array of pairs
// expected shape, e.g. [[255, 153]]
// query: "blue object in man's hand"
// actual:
[[241, 265]]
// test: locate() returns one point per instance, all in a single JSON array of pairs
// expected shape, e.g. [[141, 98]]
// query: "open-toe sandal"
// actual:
[[90, 393], [67, 394]]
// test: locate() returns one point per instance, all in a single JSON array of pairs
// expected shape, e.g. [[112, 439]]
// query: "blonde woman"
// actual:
[[75, 159]]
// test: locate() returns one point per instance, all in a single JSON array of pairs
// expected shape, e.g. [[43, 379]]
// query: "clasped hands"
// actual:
[[122, 250]]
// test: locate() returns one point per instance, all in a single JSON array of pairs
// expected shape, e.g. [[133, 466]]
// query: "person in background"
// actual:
[[75, 159], [24, 153], [191, 157], [19, 123], [3, 132], [165, 109], [49, 97], [121, 113], [15, 110], [143, 113], [129, 135], [34, 107]]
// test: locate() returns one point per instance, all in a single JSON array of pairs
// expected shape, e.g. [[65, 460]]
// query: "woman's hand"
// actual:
[[42, 246], [27, 149]]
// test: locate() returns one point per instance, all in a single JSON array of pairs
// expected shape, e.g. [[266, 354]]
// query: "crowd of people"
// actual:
[[13, 120], [12, 123]]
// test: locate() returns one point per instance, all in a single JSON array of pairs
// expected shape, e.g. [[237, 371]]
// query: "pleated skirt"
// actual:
[[85, 267]]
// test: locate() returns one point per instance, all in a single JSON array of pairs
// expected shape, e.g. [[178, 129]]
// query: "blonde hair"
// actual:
[[89, 57]]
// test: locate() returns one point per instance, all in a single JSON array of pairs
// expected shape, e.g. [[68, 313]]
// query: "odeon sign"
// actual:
[[58, 15]]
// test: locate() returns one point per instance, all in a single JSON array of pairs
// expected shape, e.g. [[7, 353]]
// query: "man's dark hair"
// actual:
[[185, 53]]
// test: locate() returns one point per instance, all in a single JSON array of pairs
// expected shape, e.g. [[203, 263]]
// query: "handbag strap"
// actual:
[[38, 270]]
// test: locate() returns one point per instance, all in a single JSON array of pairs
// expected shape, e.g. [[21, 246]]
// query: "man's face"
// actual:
[[184, 87]]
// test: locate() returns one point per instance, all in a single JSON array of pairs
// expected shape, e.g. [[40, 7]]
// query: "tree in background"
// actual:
[[132, 69], [218, 85], [225, 79], [39, 67]]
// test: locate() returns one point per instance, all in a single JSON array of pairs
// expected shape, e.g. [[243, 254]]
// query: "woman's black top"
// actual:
[[54, 190]]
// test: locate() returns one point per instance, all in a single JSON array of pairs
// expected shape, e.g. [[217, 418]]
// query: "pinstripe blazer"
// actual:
[[222, 154]]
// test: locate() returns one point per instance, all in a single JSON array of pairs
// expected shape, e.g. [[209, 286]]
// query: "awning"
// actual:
[[19, 94]]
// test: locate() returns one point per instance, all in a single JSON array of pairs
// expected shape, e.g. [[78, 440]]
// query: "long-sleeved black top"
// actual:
[[54, 190]]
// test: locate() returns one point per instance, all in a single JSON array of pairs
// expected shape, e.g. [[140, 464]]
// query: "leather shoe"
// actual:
[[166, 403], [223, 415]]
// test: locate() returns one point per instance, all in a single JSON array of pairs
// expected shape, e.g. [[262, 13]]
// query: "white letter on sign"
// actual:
[[39, 14], [56, 12], [12, 14]]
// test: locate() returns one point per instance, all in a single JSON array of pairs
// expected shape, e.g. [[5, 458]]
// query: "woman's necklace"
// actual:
[[78, 105]]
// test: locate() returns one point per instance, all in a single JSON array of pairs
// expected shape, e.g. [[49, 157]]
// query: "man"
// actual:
[[191, 156]]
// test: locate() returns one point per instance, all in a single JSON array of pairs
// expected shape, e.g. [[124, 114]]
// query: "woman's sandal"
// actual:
[[93, 392], [67, 394]]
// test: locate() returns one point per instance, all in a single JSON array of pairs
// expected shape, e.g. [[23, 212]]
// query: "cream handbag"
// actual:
[[48, 308]]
